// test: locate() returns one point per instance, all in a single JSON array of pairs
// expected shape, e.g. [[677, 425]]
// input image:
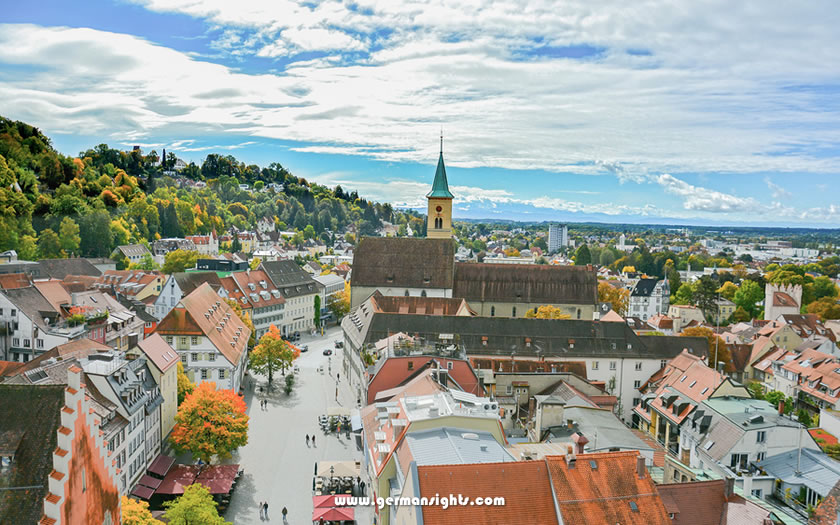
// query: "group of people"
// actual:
[[264, 404], [308, 439], [263, 506]]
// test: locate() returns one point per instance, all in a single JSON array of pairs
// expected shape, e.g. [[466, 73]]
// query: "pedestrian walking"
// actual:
[[261, 510], [284, 514], [313, 440], [337, 376], [307, 440], [265, 509]]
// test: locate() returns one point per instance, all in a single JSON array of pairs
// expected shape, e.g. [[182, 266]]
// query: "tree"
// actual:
[[619, 298], [210, 423], [309, 232], [179, 260], [547, 311], [774, 397], [49, 246], [606, 258], [705, 295], [317, 311], [741, 315], [136, 512], [826, 308], [255, 263], [340, 305], [716, 345], [684, 294], [235, 245], [185, 385], [69, 236], [195, 506], [28, 249], [824, 287], [147, 264], [628, 269], [582, 256], [272, 353], [748, 294], [804, 417], [95, 232], [245, 318], [727, 291]]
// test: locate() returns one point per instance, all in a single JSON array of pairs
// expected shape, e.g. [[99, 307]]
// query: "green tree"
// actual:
[[49, 246], [804, 417], [606, 258], [179, 260], [235, 244], [582, 256], [727, 291], [705, 295], [194, 507], [748, 294], [69, 236], [28, 249], [147, 264], [185, 385], [272, 353], [317, 311], [774, 397], [741, 315], [309, 232], [826, 308], [684, 294], [824, 287]]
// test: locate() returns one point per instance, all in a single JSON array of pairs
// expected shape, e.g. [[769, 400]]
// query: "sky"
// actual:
[[703, 112]]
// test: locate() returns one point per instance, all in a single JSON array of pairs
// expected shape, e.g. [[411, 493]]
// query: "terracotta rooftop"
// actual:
[[695, 503], [159, 352], [604, 489], [14, 280], [528, 283], [524, 485], [420, 305]]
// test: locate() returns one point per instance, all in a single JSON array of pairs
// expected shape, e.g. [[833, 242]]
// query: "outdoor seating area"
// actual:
[[327, 509], [164, 481], [337, 419], [336, 477]]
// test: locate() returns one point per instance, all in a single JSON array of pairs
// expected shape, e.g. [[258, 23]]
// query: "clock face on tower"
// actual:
[[439, 209]]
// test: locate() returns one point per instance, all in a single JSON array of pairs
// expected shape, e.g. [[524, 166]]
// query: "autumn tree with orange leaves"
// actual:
[[273, 353], [209, 423]]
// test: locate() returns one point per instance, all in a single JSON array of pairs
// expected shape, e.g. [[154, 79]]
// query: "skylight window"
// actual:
[[692, 384], [709, 445]]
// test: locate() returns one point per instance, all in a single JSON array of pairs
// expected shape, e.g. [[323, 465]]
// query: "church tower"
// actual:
[[439, 213]]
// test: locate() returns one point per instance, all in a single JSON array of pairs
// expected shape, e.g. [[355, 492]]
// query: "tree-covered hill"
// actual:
[[53, 205]]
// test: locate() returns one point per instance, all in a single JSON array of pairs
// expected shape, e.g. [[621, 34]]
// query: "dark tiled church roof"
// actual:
[[526, 283], [404, 262]]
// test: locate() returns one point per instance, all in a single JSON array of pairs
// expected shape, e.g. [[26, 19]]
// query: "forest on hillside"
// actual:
[[53, 205]]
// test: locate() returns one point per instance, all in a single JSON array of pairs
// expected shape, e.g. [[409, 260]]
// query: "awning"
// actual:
[[333, 514], [148, 481], [178, 479], [218, 478], [142, 492], [355, 420], [338, 411], [326, 502], [341, 469], [161, 465]]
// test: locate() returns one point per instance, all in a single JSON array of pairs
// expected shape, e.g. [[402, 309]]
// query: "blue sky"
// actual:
[[704, 113]]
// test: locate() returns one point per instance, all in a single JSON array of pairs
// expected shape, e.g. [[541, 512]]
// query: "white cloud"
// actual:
[[777, 191], [697, 198]]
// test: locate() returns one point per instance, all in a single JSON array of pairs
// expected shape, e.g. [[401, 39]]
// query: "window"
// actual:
[[212, 357], [758, 493], [637, 384], [612, 365], [492, 311], [184, 358], [169, 339], [194, 340], [760, 456], [594, 365], [638, 366], [761, 436], [1, 311], [411, 365], [39, 343], [13, 312], [636, 401], [509, 389], [203, 373], [84, 480], [183, 341], [449, 365], [222, 374], [663, 363], [26, 343], [738, 461], [194, 357], [513, 312]]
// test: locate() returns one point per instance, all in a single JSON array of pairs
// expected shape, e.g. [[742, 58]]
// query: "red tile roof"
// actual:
[[695, 503], [604, 488], [14, 280], [524, 485], [159, 352]]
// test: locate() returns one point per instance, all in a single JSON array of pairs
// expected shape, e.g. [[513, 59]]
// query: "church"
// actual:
[[415, 267]]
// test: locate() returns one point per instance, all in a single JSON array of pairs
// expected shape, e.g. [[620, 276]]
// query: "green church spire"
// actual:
[[440, 187]]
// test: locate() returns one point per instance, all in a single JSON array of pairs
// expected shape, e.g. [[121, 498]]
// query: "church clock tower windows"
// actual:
[[439, 215]]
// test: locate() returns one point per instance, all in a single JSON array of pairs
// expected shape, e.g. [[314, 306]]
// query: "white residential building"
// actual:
[[209, 337], [648, 298], [299, 290], [31, 325], [558, 237]]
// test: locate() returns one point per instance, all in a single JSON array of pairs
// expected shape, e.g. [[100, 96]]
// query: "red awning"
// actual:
[[179, 478], [161, 465], [142, 492], [148, 481], [335, 514], [218, 478], [326, 502]]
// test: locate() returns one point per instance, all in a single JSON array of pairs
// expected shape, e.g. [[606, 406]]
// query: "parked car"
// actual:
[[304, 348], [328, 351], [296, 336], [339, 343]]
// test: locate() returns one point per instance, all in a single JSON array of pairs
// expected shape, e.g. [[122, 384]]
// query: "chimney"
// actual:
[[640, 466], [748, 482], [580, 441], [570, 424], [729, 488], [781, 407], [570, 457]]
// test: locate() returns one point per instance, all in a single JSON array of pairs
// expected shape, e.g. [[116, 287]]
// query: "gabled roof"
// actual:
[[14, 280], [61, 268], [524, 485], [695, 503], [419, 305], [32, 303], [29, 420], [289, 278], [402, 262], [258, 287], [644, 288], [158, 352], [189, 281], [604, 489], [202, 313], [524, 283], [807, 325], [54, 292]]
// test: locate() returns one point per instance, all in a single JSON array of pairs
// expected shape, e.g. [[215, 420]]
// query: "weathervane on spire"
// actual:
[[441, 140]]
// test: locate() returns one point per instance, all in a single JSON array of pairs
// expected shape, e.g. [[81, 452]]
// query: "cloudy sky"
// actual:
[[703, 112]]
